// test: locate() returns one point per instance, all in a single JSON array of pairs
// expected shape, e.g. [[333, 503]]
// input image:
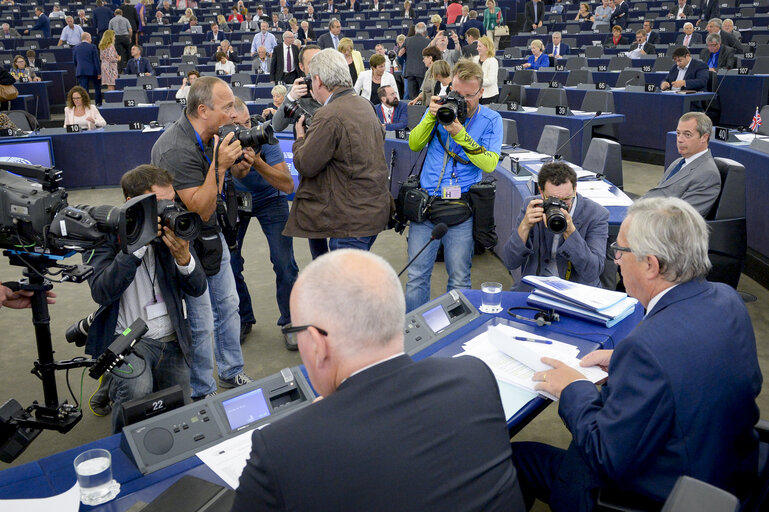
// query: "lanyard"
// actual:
[[202, 147]]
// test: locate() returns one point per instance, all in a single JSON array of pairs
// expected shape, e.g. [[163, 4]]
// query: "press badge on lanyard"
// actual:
[[155, 309], [452, 190]]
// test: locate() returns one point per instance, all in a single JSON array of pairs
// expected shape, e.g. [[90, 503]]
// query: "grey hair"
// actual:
[[687, 23], [331, 67], [556, 32], [704, 124], [202, 93], [227, 41], [355, 295], [671, 230], [420, 28], [717, 22], [332, 23], [713, 38]]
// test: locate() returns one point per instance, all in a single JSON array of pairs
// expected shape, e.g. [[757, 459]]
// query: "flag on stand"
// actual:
[[756, 121]]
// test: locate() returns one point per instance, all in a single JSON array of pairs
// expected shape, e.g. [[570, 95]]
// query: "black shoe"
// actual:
[[99, 401], [245, 329], [290, 340]]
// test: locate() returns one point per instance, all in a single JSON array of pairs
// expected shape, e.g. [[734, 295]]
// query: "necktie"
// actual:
[[336, 42], [288, 59], [686, 41], [535, 13], [556, 49], [677, 168]]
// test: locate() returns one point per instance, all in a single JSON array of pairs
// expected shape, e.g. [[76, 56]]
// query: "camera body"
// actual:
[[294, 111], [453, 106], [556, 220], [254, 137], [184, 224], [391, 55]]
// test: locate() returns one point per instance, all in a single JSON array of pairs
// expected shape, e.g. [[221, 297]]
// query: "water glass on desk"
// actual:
[[94, 475], [491, 297]]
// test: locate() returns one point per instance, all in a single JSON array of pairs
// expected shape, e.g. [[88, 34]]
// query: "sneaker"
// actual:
[[290, 340], [99, 401], [240, 379], [245, 329], [199, 398]]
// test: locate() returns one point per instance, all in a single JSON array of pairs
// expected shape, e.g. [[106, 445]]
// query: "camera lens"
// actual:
[[184, 224], [556, 220], [447, 113]]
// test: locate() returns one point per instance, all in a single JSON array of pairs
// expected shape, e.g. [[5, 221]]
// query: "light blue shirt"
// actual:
[[264, 39], [72, 36]]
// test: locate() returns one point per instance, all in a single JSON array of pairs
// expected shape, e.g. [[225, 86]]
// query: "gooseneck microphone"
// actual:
[[557, 155], [438, 231]]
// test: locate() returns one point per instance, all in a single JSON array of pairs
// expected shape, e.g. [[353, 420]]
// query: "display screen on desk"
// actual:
[[35, 151], [246, 408], [436, 318]]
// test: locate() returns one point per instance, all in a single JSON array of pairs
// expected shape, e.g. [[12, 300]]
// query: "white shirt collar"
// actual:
[[373, 364], [694, 157], [656, 299]]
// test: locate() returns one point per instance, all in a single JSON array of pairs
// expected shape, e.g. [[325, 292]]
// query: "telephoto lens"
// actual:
[[184, 224], [556, 220]]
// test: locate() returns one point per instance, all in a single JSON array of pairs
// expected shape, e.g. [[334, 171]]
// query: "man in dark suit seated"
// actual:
[[689, 36], [727, 39], [680, 397], [227, 49], [687, 74], [556, 48], [620, 15], [716, 55], [535, 12], [138, 65], [214, 35], [392, 113], [694, 177], [652, 37], [642, 45], [389, 433]]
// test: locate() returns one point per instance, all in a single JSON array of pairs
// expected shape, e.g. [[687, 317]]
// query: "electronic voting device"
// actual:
[[434, 320], [163, 440]]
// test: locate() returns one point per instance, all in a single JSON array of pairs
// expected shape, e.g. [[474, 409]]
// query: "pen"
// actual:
[[535, 340]]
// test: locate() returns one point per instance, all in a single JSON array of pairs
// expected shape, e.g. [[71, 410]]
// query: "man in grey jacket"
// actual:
[[415, 69]]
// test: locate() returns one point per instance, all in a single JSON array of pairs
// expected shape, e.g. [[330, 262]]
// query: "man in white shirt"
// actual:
[[71, 34], [261, 61], [264, 38]]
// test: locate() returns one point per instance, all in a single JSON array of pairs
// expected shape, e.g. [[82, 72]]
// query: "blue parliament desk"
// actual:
[[55, 474], [756, 186], [41, 103]]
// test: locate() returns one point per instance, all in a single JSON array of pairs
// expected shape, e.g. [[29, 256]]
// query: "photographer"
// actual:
[[579, 251], [149, 284], [343, 194], [198, 160], [457, 156], [268, 181]]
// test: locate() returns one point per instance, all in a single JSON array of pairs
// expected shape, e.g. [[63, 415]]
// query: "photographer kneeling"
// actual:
[[560, 233], [149, 284], [462, 146]]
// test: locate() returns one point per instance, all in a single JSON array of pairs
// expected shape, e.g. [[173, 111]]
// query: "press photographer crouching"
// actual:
[[464, 140], [150, 284], [560, 233]]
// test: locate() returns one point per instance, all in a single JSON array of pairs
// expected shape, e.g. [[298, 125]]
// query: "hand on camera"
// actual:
[[242, 168], [228, 151], [180, 249], [299, 89], [300, 128], [569, 224], [534, 213]]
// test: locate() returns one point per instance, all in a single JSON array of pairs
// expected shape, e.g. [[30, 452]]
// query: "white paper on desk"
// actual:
[[151, 129], [603, 193], [228, 458], [68, 501]]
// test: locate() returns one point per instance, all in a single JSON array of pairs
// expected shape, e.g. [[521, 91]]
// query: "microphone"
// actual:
[[557, 155], [438, 231], [715, 93]]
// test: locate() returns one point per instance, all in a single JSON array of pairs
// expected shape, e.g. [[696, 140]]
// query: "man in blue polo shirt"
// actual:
[[458, 154], [42, 23], [268, 181]]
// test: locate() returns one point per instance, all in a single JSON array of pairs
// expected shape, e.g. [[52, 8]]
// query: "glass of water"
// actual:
[[491, 297], [94, 474]]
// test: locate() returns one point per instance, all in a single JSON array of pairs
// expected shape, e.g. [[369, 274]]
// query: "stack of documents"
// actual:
[[605, 307], [514, 361]]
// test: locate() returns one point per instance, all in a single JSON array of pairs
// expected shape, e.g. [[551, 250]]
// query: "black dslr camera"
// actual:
[[294, 111], [254, 137], [556, 220], [184, 224], [453, 106]]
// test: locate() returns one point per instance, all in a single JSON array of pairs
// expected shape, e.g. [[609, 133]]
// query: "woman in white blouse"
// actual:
[[222, 64], [490, 67], [80, 111], [371, 80]]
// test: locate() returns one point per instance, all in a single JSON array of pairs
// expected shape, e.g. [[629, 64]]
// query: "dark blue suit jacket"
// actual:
[[620, 15], [697, 75], [44, 24], [470, 24], [101, 17], [564, 50], [135, 67], [680, 399], [400, 435], [400, 116], [86, 58], [210, 36]]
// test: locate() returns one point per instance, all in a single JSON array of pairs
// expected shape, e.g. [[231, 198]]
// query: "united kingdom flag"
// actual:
[[756, 121]]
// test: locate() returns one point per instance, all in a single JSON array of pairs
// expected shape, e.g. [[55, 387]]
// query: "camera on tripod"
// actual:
[[453, 106]]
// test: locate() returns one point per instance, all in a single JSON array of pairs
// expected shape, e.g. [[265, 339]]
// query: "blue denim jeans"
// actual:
[[458, 250], [214, 318], [272, 214], [165, 366], [363, 243], [318, 247]]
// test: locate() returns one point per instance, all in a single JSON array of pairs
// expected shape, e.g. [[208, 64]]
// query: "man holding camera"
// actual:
[[199, 159], [150, 284], [560, 233], [299, 92], [459, 151], [268, 182], [343, 194]]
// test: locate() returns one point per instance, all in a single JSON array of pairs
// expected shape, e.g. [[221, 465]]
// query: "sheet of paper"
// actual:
[[228, 458], [68, 501], [150, 129], [529, 109], [603, 193]]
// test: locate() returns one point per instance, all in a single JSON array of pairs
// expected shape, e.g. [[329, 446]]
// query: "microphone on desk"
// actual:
[[557, 155], [715, 93], [438, 231]]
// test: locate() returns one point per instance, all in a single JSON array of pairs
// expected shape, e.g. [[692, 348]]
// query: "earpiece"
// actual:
[[542, 317]]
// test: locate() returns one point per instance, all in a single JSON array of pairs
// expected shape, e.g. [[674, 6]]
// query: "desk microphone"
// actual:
[[557, 155], [438, 231], [715, 93]]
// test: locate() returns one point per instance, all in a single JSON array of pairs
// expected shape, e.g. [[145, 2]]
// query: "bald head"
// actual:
[[86, 37]]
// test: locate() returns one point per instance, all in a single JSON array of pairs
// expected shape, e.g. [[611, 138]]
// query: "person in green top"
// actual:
[[492, 17]]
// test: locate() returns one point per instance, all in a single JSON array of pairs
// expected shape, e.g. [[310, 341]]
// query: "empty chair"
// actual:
[[728, 243], [669, 26], [48, 57], [743, 24], [510, 132], [598, 100], [502, 75], [156, 41], [366, 54], [748, 12], [242, 78], [186, 40], [604, 156], [524, 76], [186, 68], [691, 494], [764, 128], [154, 61], [244, 93], [362, 34], [168, 112], [760, 66], [553, 140], [415, 113], [517, 93], [662, 64], [190, 59], [593, 52], [619, 63], [150, 80], [552, 98], [761, 50], [579, 76], [137, 94], [23, 120], [576, 63], [513, 52], [760, 38], [630, 77]]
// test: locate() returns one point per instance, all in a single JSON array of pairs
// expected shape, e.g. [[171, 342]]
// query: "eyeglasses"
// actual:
[[473, 95], [617, 250], [294, 330]]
